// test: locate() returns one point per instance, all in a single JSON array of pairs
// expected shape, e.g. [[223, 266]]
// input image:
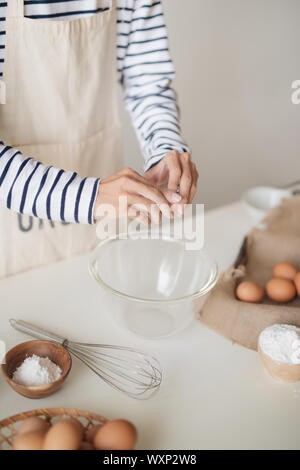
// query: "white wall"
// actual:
[[235, 62]]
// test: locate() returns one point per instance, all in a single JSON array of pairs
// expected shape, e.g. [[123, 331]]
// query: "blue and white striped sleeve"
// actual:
[[29, 187], [146, 70]]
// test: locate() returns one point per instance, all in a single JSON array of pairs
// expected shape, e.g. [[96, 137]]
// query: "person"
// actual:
[[60, 149]]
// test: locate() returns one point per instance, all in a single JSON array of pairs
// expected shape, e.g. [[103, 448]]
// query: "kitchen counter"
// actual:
[[214, 395]]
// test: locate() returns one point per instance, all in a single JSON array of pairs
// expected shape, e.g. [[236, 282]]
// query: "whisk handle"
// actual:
[[38, 333]]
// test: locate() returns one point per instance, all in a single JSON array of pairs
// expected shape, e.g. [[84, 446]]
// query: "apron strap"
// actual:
[[113, 4], [15, 8]]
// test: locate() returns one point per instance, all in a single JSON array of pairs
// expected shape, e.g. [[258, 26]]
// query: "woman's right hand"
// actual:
[[143, 200]]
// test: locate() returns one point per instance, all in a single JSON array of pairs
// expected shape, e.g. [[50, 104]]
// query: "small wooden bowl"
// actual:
[[54, 351], [280, 370]]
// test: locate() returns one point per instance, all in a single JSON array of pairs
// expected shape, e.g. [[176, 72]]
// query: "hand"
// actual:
[[176, 170], [140, 193]]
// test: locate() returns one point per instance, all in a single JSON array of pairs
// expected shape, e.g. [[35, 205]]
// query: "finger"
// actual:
[[144, 219], [186, 177], [146, 206], [194, 184], [140, 216], [152, 193], [175, 170], [133, 175], [171, 195]]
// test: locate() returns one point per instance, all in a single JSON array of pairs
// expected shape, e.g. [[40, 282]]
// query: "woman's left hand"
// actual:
[[176, 170]]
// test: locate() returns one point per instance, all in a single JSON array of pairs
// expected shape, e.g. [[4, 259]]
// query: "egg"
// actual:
[[249, 291], [280, 290], [90, 434], [116, 435], [297, 283], [66, 434], [33, 424], [285, 271], [33, 440], [78, 424], [86, 446]]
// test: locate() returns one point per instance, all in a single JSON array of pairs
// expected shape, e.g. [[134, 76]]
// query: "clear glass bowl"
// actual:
[[154, 287]]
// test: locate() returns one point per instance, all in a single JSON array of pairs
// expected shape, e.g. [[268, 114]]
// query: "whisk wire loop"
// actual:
[[129, 370]]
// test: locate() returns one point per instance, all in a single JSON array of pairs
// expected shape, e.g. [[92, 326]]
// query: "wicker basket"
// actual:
[[9, 426]]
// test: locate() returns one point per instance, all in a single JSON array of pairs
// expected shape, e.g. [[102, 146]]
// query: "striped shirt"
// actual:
[[144, 69]]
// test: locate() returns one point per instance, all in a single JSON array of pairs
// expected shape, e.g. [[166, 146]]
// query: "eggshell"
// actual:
[[280, 290], [86, 446], [285, 271], [30, 441], [249, 291], [33, 424], [297, 283], [78, 424], [116, 435], [90, 434], [64, 435]]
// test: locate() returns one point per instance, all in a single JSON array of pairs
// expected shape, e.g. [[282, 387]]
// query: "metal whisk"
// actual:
[[133, 372]]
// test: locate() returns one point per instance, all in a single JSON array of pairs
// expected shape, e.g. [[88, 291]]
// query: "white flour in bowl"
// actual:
[[36, 370], [281, 343]]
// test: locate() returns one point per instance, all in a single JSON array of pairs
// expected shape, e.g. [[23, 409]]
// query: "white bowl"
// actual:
[[260, 199]]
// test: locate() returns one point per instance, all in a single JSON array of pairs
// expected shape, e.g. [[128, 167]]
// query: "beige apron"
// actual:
[[61, 108]]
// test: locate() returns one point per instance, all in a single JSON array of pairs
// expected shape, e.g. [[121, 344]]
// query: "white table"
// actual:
[[214, 395]]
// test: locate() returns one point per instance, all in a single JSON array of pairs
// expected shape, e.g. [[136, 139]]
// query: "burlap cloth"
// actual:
[[278, 241]]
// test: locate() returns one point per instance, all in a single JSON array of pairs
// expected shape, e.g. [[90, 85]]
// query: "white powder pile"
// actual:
[[281, 343], [36, 370]]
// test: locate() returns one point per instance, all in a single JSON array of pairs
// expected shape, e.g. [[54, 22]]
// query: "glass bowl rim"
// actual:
[[210, 284]]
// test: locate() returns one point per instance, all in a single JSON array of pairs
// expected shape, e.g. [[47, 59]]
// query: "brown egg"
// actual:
[[64, 435], [248, 291], [297, 283], [285, 271], [86, 446], [33, 440], [116, 435], [33, 424], [79, 426], [280, 290], [90, 434]]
